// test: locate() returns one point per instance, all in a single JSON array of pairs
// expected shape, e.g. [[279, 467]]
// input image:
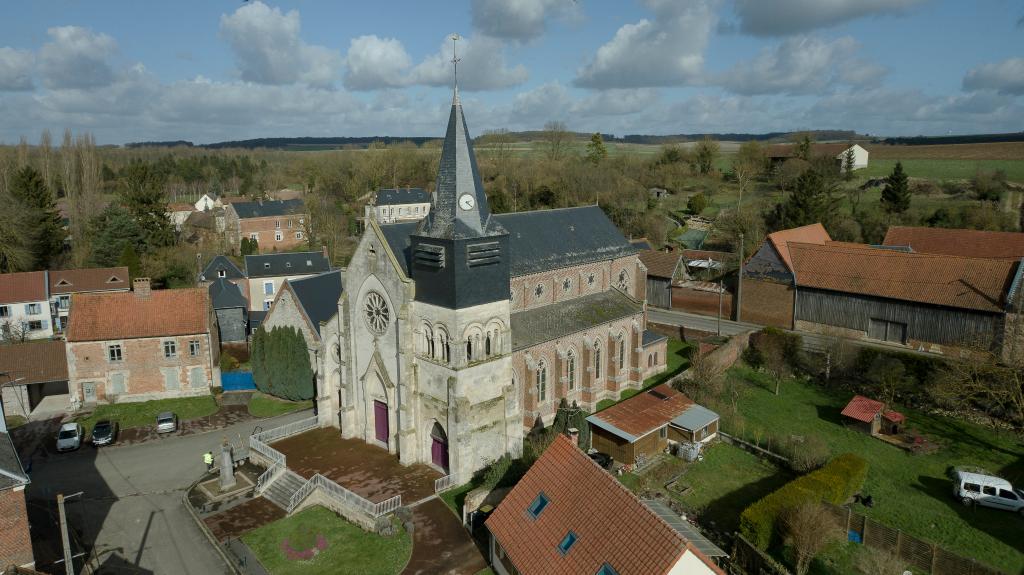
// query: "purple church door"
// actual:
[[380, 420], [439, 447]]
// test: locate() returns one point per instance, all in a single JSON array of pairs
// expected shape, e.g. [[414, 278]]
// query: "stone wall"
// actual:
[[701, 301], [15, 541], [288, 313]]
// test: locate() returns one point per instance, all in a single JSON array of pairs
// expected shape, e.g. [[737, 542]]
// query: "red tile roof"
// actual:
[[611, 525], [789, 150], [23, 287], [864, 409], [660, 264], [810, 234], [85, 280], [34, 362], [968, 243], [126, 315], [966, 283], [646, 411]]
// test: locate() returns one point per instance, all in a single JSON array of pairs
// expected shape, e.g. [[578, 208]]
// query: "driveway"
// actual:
[[131, 509]]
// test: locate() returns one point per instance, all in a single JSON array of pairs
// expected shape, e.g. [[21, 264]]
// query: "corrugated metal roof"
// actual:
[[695, 417]]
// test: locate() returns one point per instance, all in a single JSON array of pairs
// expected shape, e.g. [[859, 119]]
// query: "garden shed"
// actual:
[[872, 417]]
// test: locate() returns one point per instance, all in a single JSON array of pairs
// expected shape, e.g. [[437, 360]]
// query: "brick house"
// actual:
[[63, 283], [568, 516], [266, 274], [25, 306], [15, 537], [141, 345], [277, 225]]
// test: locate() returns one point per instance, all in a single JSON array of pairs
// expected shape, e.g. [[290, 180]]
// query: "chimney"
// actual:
[[141, 287], [574, 435]]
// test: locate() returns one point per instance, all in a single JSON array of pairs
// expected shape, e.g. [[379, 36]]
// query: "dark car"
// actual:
[[602, 459], [104, 433]]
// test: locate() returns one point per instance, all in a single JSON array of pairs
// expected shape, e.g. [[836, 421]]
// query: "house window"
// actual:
[[567, 542], [193, 347], [267, 303], [254, 236], [607, 569], [268, 288], [289, 223], [114, 352], [663, 432], [570, 367], [278, 236], [170, 349], [298, 235], [538, 505], [623, 281], [33, 309], [222, 273], [277, 224], [597, 360], [63, 302], [542, 382], [302, 221], [5, 311], [35, 325]]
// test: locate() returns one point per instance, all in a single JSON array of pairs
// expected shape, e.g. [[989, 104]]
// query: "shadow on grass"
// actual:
[[999, 524], [831, 414], [724, 513]]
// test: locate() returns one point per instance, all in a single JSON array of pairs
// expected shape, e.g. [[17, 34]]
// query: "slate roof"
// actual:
[[392, 196], [218, 263], [85, 280], [533, 326], [864, 409], [643, 413], [11, 472], [23, 287], [611, 525], [126, 315], [810, 234], [268, 208], [968, 243], [256, 317], [286, 264], [318, 296], [226, 295], [34, 362], [540, 240], [660, 264], [651, 337], [966, 283]]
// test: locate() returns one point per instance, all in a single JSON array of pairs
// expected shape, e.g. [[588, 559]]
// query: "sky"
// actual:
[[215, 70]]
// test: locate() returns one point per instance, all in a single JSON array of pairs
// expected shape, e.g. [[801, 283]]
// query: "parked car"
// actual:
[[69, 438], [602, 459], [166, 422], [104, 433], [977, 488]]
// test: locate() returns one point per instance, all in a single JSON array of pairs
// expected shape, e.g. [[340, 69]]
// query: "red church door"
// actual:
[[380, 420], [439, 447]]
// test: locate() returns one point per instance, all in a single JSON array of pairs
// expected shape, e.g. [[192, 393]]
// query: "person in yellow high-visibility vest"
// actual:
[[208, 460]]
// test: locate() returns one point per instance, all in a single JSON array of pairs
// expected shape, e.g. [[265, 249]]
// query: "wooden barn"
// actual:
[[768, 283], [644, 425], [663, 269]]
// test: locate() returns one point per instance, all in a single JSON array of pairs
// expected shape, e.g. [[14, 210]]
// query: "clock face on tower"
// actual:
[[466, 202]]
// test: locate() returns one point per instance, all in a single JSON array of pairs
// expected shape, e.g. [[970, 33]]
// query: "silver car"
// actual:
[[69, 438], [166, 422]]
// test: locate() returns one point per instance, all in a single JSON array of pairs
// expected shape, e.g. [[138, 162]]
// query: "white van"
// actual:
[[971, 488]]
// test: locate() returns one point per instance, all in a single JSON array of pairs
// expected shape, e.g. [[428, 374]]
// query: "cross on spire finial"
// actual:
[[455, 64]]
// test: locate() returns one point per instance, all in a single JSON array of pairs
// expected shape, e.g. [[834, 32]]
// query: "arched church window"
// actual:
[[376, 313], [590, 280], [445, 345], [539, 290], [469, 348], [623, 281], [487, 345], [570, 368], [597, 360], [650, 361], [655, 358], [542, 382], [428, 341], [622, 352], [566, 284]]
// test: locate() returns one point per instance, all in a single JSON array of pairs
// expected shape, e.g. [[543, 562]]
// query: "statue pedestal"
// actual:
[[227, 468]]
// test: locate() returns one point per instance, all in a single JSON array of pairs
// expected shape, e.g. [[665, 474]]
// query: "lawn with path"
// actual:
[[348, 549], [911, 492], [262, 405], [143, 413]]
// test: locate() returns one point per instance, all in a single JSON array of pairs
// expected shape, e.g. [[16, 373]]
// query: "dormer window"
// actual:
[[114, 280], [63, 282], [309, 263], [266, 266], [222, 273], [287, 264]]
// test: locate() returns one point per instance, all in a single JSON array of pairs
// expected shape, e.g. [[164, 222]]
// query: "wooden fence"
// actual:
[[918, 554], [747, 559]]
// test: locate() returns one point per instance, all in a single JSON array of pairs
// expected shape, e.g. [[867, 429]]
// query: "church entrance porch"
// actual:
[[367, 470]]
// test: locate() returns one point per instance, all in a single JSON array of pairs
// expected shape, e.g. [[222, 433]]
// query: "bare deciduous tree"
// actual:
[[808, 529], [556, 139], [872, 561]]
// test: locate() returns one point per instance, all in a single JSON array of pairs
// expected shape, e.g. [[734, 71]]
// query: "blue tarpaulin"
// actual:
[[237, 381]]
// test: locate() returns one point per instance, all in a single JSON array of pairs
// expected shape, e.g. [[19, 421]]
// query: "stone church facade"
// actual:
[[457, 333]]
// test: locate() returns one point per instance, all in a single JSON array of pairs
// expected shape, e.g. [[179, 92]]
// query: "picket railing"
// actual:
[[387, 506], [445, 483], [287, 430], [343, 497]]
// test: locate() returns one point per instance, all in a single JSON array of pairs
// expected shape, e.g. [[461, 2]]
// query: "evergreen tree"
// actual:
[[596, 152], [849, 161], [803, 148], [561, 422], [578, 419], [42, 219], [812, 201], [142, 194], [258, 361], [704, 154], [113, 231], [130, 259], [280, 364], [896, 195]]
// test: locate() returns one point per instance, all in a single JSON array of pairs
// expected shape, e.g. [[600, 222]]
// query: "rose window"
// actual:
[[376, 313]]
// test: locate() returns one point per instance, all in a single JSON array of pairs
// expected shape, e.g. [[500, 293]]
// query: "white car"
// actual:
[[166, 422], [69, 438], [977, 488]]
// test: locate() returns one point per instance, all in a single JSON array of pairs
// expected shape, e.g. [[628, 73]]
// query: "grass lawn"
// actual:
[[456, 496], [678, 350], [349, 549], [143, 413], [15, 421], [262, 405], [911, 492]]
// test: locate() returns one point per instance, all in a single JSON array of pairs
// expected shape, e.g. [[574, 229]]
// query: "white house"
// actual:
[[209, 201], [779, 153], [399, 205], [25, 306], [266, 274]]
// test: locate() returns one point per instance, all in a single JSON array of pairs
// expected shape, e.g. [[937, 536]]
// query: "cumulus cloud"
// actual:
[[783, 17], [548, 101], [1006, 77], [616, 102], [802, 65], [374, 62], [269, 50], [76, 57], [518, 20], [665, 51], [15, 70], [481, 66]]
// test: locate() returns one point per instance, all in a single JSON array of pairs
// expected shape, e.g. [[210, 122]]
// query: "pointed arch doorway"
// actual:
[[439, 447]]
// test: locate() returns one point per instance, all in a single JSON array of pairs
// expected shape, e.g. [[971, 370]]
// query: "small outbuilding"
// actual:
[[872, 417]]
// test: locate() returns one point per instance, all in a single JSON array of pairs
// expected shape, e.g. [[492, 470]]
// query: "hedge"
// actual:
[[836, 482]]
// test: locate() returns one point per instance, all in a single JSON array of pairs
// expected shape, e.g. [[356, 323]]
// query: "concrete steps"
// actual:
[[280, 491]]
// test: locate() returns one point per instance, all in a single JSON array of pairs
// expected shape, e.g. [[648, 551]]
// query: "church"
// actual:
[[457, 333]]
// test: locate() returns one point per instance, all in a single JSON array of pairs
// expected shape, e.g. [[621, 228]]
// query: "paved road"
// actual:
[[131, 506], [811, 341]]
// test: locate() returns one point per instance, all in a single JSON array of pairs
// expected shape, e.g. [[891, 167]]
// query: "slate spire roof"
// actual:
[[457, 178]]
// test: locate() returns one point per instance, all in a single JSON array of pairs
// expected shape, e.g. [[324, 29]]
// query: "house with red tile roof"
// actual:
[[141, 345], [768, 291], [872, 417], [25, 306], [567, 516], [965, 243]]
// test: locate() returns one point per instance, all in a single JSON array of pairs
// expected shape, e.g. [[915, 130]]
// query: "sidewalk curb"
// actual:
[[206, 530]]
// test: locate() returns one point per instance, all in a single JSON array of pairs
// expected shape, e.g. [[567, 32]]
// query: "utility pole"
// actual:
[[739, 283], [69, 567]]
